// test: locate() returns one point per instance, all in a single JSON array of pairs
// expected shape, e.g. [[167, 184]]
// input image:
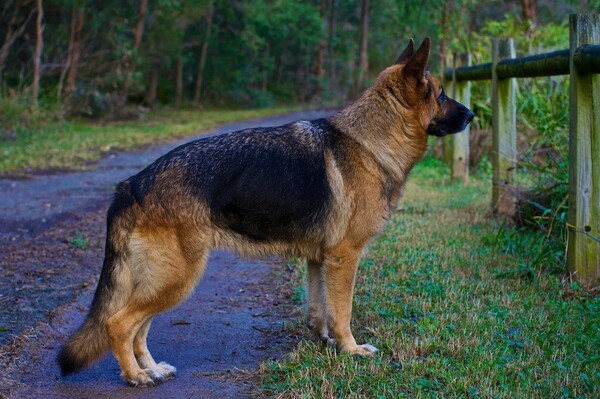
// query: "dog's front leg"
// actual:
[[317, 305], [339, 273]]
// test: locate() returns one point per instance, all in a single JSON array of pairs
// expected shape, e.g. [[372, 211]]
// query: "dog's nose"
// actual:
[[470, 116]]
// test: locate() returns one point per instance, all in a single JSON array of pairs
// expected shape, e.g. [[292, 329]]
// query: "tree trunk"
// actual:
[[37, 58], [152, 91], [443, 46], [332, 38], [363, 53], [265, 75], [179, 81], [139, 26], [204, 51], [11, 34], [72, 64], [129, 59], [529, 11], [75, 51], [319, 65], [279, 69]]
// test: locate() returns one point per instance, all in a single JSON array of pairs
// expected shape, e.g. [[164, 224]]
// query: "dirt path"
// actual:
[[51, 245]]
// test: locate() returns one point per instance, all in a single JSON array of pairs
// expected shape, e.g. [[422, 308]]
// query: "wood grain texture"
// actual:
[[504, 124], [583, 248], [460, 141]]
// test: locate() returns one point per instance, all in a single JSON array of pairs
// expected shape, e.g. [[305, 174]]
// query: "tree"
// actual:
[[529, 10], [13, 32], [319, 67], [179, 80], [335, 5], [37, 58], [129, 60], [203, 53], [268, 51], [72, 65], [363, 53], [75, 51], [443, 43], [153, 89]]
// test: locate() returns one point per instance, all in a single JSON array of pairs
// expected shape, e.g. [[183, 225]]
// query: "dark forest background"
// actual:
[[96, 56]]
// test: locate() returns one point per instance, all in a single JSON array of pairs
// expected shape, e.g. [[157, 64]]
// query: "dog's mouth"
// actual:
[[441, 128], [444, 130]]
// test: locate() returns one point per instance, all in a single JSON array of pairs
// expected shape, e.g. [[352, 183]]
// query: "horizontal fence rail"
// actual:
[[582, 63], [587, 60], [550, 64], [472, 73]]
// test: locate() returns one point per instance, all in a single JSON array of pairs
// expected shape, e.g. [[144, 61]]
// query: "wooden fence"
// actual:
[[582, 62]]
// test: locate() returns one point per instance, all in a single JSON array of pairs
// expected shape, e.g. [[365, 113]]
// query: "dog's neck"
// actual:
[[378, 125]]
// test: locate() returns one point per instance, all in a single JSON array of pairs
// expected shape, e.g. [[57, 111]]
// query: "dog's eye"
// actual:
[[442, 97]]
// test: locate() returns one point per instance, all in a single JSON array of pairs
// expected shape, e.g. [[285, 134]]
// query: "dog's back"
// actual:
[[265, 184]]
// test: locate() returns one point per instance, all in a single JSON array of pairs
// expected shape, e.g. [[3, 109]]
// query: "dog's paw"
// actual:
[[146, 378], [166, 369], [363, 350], [324, 339], [321, 336], [319, 332]]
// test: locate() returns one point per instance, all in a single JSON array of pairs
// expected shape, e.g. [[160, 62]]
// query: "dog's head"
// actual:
[[422, 95]]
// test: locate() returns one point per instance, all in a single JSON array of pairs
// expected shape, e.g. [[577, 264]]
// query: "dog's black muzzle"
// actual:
[[454, 120]]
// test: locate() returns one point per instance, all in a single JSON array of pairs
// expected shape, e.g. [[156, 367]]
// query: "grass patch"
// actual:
[[75, 145], [79, 241], [459, 306]]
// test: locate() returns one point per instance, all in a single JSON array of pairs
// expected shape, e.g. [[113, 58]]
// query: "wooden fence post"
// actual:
[[447, 145], [504, 123], [583, 248], [460, 141]]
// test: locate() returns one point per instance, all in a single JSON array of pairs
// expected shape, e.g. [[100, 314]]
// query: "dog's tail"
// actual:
[[91, 341]]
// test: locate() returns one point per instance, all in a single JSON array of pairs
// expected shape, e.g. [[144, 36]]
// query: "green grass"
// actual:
[[79, 241], [75, 145], [444, 296]]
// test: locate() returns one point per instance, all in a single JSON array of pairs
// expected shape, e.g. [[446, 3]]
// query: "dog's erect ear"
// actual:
[[407, 53], [417, 65]]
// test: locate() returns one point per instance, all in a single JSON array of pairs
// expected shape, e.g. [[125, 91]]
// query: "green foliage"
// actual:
[[268, 58], [260, 52], [542, 39], [546, 158], [17, 117], [79, 241], [89, 102]]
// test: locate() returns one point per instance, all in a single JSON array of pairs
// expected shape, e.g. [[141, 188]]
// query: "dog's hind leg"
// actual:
[[339, 272], [126, 325], [166, 264], [143, 356], [317, 305], [122, 329]]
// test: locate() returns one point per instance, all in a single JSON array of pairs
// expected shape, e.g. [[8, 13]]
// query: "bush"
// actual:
[[18, 116], [88, 102]]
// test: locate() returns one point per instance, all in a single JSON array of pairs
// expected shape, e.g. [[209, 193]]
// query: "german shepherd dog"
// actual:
[[314, 189]]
